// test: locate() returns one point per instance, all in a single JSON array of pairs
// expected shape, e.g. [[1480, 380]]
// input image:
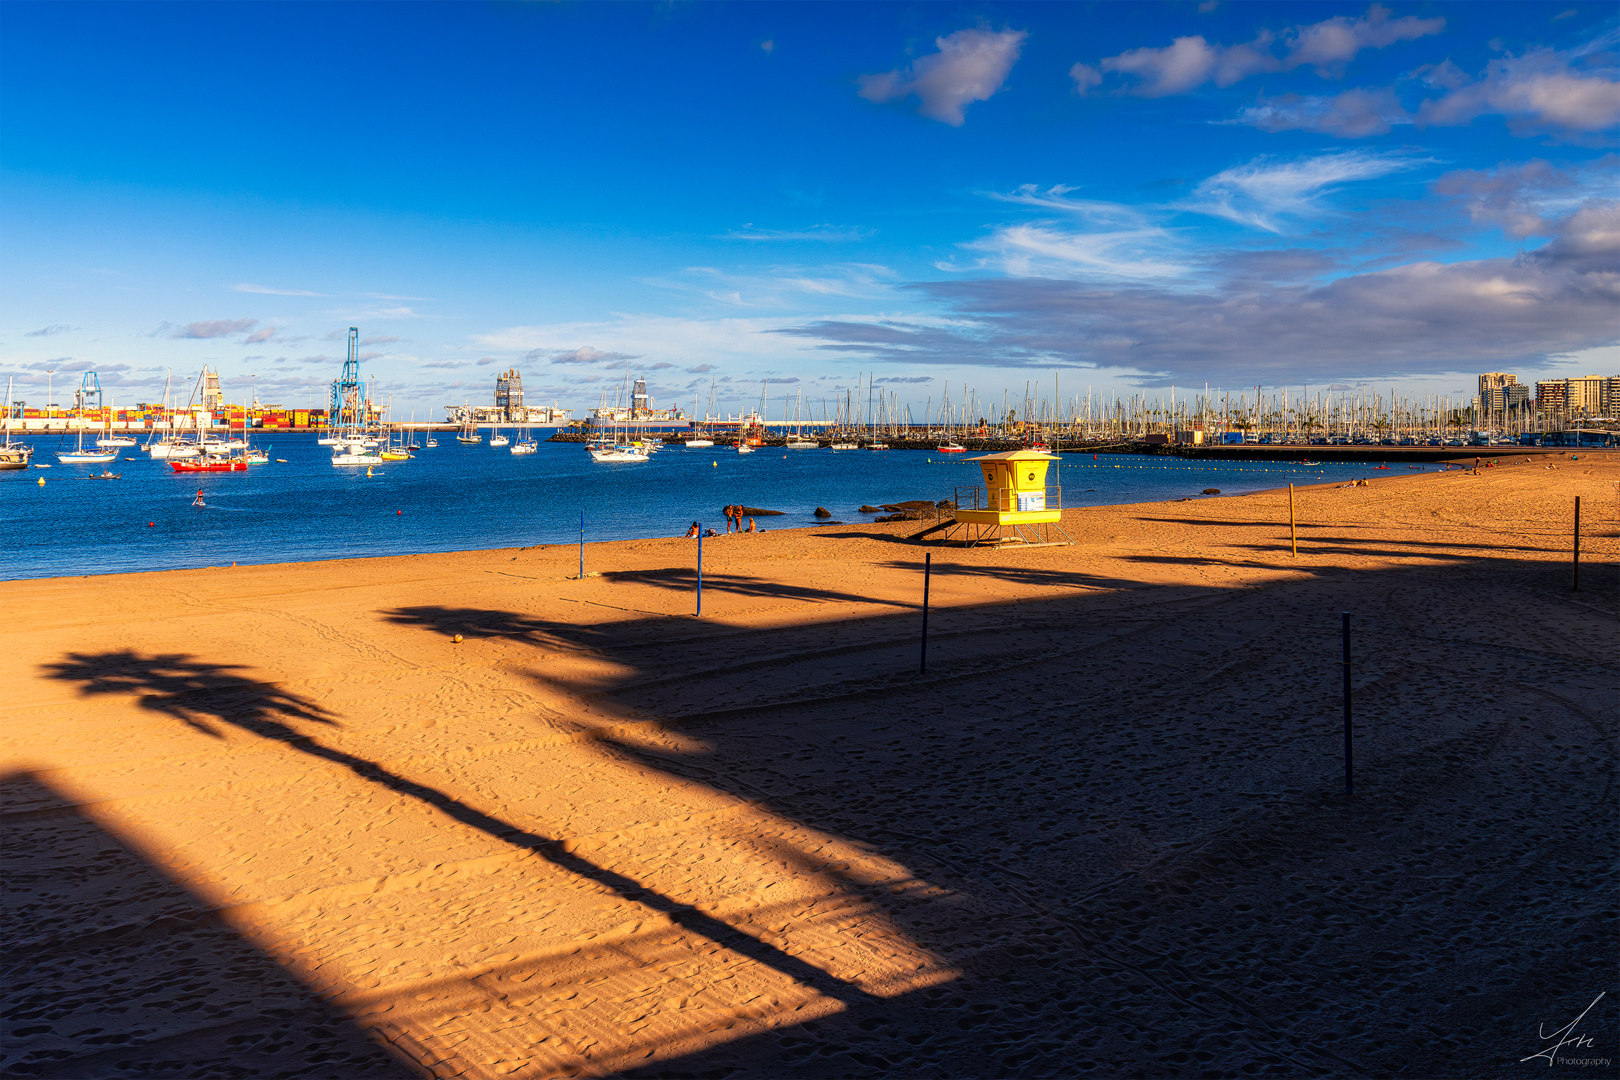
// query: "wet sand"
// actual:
[[278, 821]]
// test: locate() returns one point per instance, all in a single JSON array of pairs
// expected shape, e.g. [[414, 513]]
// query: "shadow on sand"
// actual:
[[113, 969]]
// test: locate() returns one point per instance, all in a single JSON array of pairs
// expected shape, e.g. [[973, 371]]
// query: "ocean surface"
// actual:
[[456, 498]]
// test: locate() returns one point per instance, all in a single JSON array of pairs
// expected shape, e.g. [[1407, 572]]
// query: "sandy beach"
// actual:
[[467, 815]]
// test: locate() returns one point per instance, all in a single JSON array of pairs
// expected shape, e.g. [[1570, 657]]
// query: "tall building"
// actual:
[[1590, 395], [509, 396], [1493, 390], [1552, 398], [211, 395], [640, 404]]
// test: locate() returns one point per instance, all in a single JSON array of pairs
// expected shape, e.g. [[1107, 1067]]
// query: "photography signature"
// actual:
[[1565, 1035]]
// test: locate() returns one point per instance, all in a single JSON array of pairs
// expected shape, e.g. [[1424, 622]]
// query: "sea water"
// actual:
[[456, 498]]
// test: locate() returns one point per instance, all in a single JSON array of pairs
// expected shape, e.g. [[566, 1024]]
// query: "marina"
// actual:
[[458, 497]]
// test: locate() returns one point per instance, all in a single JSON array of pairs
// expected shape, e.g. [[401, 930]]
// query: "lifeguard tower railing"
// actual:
[[1008, 499]]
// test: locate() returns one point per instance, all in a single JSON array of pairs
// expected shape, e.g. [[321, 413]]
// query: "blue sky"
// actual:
[[1133, 195]]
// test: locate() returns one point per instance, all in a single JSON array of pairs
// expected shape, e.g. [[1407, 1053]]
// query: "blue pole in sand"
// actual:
[[700, 572], [582, 545]]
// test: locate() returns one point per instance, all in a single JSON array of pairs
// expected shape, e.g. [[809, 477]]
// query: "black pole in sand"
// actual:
[[1348, 789], [928, 569], [1575, 565], [700, 572]]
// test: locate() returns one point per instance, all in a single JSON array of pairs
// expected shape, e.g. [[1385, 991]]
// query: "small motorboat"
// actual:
[[952, 448], [104, 474]]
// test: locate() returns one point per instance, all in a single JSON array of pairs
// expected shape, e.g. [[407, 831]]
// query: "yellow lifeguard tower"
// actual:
[[1015, 506]]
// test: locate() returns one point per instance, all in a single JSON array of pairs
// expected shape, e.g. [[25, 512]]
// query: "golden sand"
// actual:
[[277, 820]]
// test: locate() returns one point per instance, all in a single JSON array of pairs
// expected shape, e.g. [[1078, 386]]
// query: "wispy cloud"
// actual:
[[1188, 63], [269, 290], [971, 65], [214, 328], [1045, 250], [48, 331], [1352, 114], [831, 234], [1265, 191], [585, 354], [266, 334]]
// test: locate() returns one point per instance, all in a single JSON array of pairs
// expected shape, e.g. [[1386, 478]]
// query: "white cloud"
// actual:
[[1541, 90], [971, 65], [266, 334], [1263, 192], [1189, 62], [248, 287]]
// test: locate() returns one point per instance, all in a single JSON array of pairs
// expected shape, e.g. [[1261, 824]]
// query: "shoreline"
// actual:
[[898, 529]]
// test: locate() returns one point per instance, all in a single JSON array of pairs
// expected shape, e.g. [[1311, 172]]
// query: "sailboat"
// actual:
[[799, 440], [81, 456], [497, 439], [13, 455], [217, 455], [110, 440], [469, 431], [703, 441], [526, 443]]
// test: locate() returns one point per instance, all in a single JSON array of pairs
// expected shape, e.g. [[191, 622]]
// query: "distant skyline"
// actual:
[[1133, 195]]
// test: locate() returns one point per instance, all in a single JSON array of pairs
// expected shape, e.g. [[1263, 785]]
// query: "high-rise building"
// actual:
[[211, 395], [640, 404], [509, 396], [1493, 390], [1590, 395]]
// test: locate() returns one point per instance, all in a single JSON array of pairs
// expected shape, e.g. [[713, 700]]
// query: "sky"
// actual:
[[1115, 198]]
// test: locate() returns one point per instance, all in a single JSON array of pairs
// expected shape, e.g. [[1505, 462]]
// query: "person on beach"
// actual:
[[693, 531], [751, 527], [726, 512]]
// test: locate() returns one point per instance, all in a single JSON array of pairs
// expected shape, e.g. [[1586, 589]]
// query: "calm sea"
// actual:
[[456, 498]]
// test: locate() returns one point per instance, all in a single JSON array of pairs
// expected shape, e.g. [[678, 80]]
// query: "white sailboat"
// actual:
[[81, 456], [13, 455], [526, 443], [497, 439]]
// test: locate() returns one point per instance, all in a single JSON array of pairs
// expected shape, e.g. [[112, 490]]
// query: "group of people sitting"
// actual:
[[734, 519]]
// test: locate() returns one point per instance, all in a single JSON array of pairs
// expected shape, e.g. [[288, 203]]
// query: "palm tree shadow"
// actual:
[[208, 696], [199, 695]]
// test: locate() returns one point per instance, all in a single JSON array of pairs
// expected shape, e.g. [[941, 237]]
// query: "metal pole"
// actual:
[[700, 573], [582, 545], [1293, 536], [1575, 565], [928, 569], [1348, 789]]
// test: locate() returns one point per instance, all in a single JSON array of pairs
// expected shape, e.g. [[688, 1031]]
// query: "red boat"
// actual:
[[209, 465]]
